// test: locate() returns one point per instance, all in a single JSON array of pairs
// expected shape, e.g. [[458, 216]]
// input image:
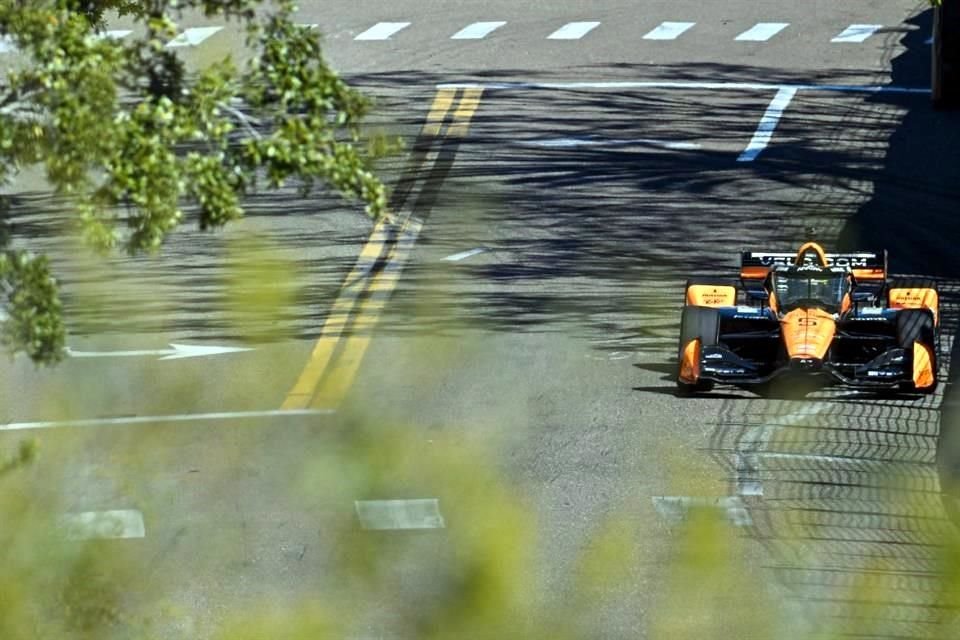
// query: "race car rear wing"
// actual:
[[755, 265], [869, 269]]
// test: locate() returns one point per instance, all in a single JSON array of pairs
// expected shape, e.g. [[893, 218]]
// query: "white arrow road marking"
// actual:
[[668, 30], [382, 30], [193, 37], [573, 31], [762, 31], [117, 524], [399, 515], [857, 33], [768, 123], [477, 30], [183, 417], [463, 255], [176, 352]]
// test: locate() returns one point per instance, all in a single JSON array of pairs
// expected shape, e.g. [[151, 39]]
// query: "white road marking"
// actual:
[[768, 123], [819, 458], [674, 509], [751, 448], [175, 352], [463, 255], [573, 31], [477, 30], [382, 31], [399, 515], [183, 417], [117, 34], [584, 141], [748, 474], [738, 86], [857, 33], [668, 30], [193, 37], [762, 31], [115, 525]]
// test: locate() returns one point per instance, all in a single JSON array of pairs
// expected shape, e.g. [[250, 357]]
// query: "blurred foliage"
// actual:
[[483, 576], [131, 135], [33, 321]]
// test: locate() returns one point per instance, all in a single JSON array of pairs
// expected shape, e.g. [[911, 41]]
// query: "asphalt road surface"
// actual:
[[568, 167]]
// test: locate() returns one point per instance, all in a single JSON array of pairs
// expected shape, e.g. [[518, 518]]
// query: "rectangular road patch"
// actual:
[[477, 30], [193, 37], [108, 525], [116, 34], [857, 33], [573, 31], [399, 515], [382, 31], [762, 31], [668, 30]]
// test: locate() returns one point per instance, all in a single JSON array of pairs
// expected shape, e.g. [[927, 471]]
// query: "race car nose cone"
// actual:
[[806, 364]]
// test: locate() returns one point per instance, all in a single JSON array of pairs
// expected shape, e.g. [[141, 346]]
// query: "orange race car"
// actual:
[[810, 313]]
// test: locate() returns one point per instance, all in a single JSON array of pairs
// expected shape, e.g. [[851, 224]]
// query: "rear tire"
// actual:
[[916, 325], [702, 323]]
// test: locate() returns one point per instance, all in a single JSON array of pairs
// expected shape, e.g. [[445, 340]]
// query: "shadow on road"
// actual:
[[844, 486]]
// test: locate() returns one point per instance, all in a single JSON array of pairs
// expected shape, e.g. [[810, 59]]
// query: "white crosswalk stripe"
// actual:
[[762, 31], [193, 37], [116, 34], [857, 33], [668, 30], [116, 524], [382, 31], [477, 30], [573, 31]]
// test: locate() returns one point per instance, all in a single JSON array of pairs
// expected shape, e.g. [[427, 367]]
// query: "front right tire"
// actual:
[[916, 325]]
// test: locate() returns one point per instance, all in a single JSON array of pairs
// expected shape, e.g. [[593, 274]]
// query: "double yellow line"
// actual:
[[336, 357]]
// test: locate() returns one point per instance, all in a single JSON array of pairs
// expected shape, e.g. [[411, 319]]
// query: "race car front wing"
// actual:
[[890, 370]]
